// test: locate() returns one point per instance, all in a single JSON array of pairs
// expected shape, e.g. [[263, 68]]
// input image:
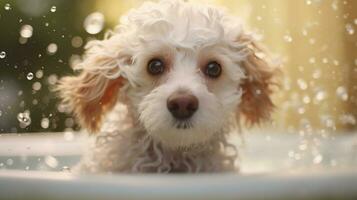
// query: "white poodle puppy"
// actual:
[[163, 90]]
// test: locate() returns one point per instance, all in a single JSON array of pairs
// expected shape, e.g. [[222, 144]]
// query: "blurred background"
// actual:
[[316, 41]]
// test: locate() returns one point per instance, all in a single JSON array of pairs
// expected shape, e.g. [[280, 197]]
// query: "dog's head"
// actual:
[[183, 70]]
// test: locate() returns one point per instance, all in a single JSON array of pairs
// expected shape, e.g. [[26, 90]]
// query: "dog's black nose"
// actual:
[[182, 105]]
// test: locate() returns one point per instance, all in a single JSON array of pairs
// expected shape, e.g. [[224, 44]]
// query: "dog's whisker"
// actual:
[[183, 124]]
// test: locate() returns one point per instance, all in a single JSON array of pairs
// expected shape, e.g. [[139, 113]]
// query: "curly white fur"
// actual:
[[129, 149], [139, 134]]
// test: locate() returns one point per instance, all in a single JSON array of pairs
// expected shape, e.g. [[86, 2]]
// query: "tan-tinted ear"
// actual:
[[94, 91], [89, 96], [256, 105]]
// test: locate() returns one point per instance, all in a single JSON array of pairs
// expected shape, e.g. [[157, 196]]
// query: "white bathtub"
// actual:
[[272, 167]]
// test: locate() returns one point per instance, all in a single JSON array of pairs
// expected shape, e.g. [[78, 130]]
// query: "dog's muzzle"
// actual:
[[182, 104]]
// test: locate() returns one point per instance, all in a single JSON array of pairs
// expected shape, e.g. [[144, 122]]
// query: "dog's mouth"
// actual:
[[186, 124]]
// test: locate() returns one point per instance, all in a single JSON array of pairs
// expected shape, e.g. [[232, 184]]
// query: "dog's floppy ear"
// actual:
[[93, 92], [256, 105]]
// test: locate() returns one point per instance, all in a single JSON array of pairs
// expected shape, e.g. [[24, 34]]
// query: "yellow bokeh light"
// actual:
[[316, 42]]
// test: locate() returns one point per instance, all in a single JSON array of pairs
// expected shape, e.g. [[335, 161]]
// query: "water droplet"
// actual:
[[336, 62], [288, 38], [2, 54], [52, 79], [341, 92], [24, 119], [94, 23], [302, 84], [303, 146], [301, 110], [45, 123], [53, 9], [317, 159], [29, 76], [9, 162], [36, 86], [325, 60], [312, 60], [312, 40], [316, 74], [320, 95], [26, 31], [297, 156], [0, 113], [66, 169], [23, 40], [74, 60], [34, 102], [304, 32], [347, 119], [52, 48], [7, 7], [306, 99], [328, 121], [61, 108], [39, 74], [350, 30], [51, 161], [77, 42], [291, 154]]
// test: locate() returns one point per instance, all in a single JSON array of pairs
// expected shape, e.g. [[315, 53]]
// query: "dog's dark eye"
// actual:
[[156, 66], [213, 69]]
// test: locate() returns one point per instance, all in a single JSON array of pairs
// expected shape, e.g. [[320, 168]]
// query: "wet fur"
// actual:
[[113, 98]]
